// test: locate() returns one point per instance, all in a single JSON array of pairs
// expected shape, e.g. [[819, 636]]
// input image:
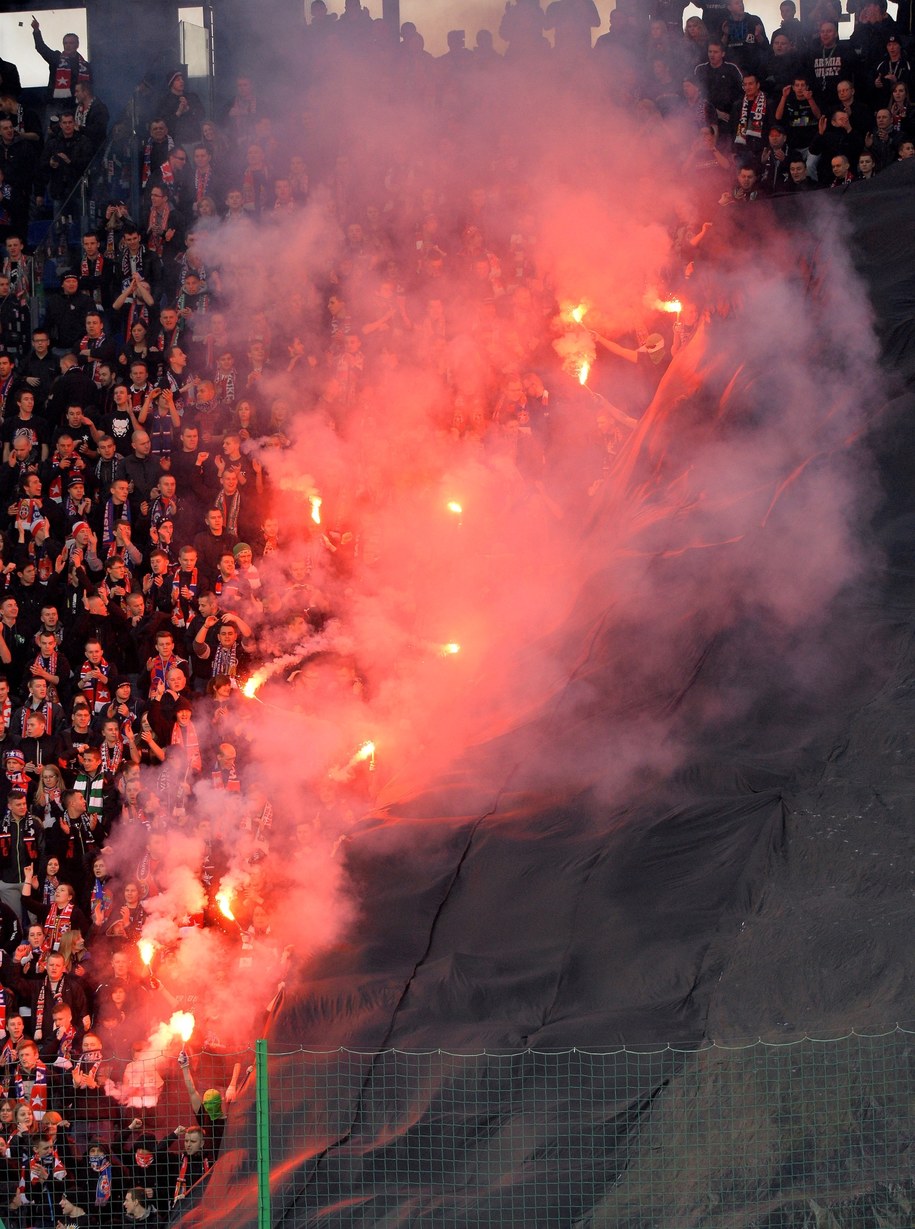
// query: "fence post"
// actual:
[[262, 1094]]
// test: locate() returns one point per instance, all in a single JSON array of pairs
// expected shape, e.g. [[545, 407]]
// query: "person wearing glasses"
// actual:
[[175, 177]]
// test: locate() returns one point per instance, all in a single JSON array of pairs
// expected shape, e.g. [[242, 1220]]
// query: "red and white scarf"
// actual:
[[752, 120], [112, 757], [186, 737], [181, 1183], [156, 228], [48, 664], [45, 709], [64, 82], [147, 159], [38, 1099], [158, 671], [56, 925], [96, 691], [39, 1166]]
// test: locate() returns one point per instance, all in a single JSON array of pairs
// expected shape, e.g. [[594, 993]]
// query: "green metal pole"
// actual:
[[262, 1093]]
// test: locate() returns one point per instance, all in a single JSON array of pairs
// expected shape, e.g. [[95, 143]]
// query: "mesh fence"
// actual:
[[817, 1133], [80, 1130]]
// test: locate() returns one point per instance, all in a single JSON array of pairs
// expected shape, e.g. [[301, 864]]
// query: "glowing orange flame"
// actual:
[[573, 313], [673, 306], [363, 753], [224, 900], [584, 371], [182, 1025], [455, 507], [316, 502], [147, 950], [251, 687], [448, 650]]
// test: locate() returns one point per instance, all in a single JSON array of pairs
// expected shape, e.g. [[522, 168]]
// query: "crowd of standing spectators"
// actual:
[[147, 569]]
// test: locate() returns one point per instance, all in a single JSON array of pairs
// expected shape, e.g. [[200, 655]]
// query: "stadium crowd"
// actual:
[[151, 564]]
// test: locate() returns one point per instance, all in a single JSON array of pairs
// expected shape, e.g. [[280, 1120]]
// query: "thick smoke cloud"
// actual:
[[590, 588]]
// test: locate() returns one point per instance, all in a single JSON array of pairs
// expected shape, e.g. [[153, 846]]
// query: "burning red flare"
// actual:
[[570, 314], [182, 1025], [252, 686], [365, 752]]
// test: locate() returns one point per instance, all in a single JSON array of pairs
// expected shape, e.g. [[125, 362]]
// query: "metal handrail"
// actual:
[[121, 146]]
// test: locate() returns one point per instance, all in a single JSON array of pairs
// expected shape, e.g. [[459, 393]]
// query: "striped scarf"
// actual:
[[227, 780], [186, 737], [202, 181], [162, 509], [123, 514], [158, 225], [261, 824], [70, 71], [102, 1167], [56, 925], [48, 664], [94, 270], [198, 303], [45, 709], [184, 605], [46, 985], [137, 311], [93, 345], [19, 271], [225, 385], [230, 508], [181, 1183], [102, 902], [38, 1097], [29, 835], [5, 388], [96, 691], [225, 661], [40, 1165], [76, 510], [147, 159], [752, 119], [158, 670], [112, 757], [93, 790], [167, 340], [65, 1044], [107, 471]]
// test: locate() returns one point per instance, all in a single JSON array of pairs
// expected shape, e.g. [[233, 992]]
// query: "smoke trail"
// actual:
[[582, 585]]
